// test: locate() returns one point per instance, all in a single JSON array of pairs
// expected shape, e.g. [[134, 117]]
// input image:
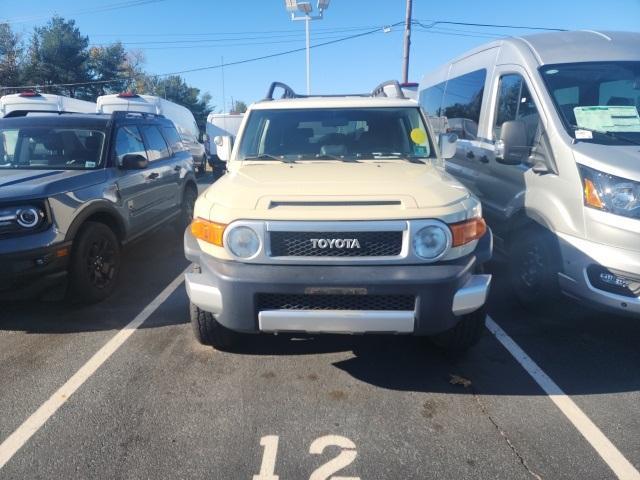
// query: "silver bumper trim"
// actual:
[[336, 321], [203, 294], [472, 295]]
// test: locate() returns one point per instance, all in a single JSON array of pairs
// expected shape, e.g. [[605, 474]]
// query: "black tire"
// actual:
[[209, 332], [465, 334], [186, 209], [533, 268], [95, 263]]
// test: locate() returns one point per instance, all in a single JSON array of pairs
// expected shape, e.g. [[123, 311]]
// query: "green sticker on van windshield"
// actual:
[[608, 119]]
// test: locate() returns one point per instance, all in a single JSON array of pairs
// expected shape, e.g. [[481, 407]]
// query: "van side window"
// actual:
[[157, 147], [173, 139], [129, 142], [462, 102], [515, 103]]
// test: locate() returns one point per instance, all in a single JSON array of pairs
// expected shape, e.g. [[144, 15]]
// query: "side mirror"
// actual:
[[447, 143], [134, 161], [224, 145], [204, 137], [512, 147]]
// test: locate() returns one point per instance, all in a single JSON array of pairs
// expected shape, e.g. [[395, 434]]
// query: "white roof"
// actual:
[[334, 102]]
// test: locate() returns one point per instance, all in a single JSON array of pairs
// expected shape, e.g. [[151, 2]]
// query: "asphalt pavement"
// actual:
[[369, 407]]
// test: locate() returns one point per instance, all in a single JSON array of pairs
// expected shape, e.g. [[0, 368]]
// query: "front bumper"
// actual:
[[583, 260], [28, 273], [443, 292]]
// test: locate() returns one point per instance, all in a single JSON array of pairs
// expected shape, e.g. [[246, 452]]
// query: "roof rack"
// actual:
[[379, 91], [24, 113], [125, 114]]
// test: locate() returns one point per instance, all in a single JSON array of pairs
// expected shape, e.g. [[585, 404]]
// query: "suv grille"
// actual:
[[269, 301], [318, 244]]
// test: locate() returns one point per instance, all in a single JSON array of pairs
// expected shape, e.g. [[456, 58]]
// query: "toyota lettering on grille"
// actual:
[[330, 243]]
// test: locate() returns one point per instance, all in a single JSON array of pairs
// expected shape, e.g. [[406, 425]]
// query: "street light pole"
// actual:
[[407, 43], [295, 6]]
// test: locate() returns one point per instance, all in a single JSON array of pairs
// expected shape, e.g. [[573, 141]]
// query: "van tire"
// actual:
[[533, 268], [466, 333], [211, 333], [95, 263]]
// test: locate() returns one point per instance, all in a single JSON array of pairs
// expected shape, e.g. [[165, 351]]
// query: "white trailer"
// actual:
[[42, 102]]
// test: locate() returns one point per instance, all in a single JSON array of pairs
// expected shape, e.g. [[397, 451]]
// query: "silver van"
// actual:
[[549, 140]]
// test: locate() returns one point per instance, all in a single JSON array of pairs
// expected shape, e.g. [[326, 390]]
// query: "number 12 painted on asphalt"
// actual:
[[324, 472]]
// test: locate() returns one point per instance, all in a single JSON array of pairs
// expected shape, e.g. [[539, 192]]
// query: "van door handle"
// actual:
[[470, 154], [484, 159], [153, 176]]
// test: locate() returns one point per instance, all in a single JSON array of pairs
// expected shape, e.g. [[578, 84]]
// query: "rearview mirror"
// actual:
[[134, 161], [447, 142], [512, 147], [223, 147]]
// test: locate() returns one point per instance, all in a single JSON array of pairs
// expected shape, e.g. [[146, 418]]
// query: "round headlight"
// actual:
[[243, 242], [430, 242], [29, 217]]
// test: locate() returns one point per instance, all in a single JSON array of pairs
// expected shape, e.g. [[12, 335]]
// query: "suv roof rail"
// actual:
[[124, 114], [380, 92]]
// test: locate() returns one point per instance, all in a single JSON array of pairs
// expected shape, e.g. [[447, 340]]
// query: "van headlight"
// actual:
[[430, 242], [243, 241], [609, 193]]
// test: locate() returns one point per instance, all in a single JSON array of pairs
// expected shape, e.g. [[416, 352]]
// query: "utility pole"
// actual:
[[407, 43]]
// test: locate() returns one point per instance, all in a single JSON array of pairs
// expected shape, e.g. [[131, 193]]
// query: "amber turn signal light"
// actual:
[[467, 231], [591, 196], [210, 232]]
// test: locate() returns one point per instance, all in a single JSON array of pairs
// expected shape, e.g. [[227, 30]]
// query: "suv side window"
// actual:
[[129, 141], [156, 146], [515, 103], [173, 139]]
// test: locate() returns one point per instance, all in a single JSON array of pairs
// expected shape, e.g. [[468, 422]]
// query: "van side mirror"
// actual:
[[204, 137], [224, 145], [447, 143], [134, 161], [512, 147]]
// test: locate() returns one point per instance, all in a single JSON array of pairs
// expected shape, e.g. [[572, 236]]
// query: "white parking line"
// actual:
[[609, 453], [24, 432]]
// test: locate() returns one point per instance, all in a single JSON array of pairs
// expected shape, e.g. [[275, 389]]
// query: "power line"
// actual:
[[433, 23]]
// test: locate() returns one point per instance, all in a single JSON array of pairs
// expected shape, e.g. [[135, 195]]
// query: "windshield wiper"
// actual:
[[266, 156], [612, 135], [327, 156], [403, 156]]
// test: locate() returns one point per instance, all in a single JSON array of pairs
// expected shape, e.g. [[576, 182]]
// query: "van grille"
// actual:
[[318, 244], [269, 301]]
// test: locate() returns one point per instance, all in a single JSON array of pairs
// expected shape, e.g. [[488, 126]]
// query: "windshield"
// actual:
[[348, 134], [50, 148], [597, 101]]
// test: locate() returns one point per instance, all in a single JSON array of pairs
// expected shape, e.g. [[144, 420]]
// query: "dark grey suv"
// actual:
[[75, 188]]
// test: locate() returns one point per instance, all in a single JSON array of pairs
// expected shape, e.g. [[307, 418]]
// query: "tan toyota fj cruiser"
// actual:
[[336, 216]]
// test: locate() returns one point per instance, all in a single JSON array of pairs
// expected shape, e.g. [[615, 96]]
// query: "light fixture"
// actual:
[[323, 4], [305, 7]]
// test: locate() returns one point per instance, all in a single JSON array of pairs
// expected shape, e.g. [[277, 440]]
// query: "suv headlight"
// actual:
[[431, 241], [609, 193], [18, 219], [243, 241]]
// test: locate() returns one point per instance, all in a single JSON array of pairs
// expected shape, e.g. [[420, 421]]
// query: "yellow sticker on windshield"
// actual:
[[418, 136]]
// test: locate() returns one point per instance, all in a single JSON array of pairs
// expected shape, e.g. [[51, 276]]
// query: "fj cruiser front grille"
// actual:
[[268, 301], [336, 244]]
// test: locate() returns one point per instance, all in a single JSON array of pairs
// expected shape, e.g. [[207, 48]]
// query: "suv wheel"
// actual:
[[209, 332], [533, 268], [95, 263], [186, 210], [465, 334]]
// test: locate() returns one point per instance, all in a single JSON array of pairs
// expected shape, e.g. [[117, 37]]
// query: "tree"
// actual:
[[239, 107], [10, 56], [107, 64], [58, 54]]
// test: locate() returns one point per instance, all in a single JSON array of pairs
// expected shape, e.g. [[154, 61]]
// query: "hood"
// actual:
[[382, 189], [28, 184], [620, 160]]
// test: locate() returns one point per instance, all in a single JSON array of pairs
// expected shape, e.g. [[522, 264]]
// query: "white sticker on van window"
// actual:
[[89, 164], [608, 118], [584, 135]]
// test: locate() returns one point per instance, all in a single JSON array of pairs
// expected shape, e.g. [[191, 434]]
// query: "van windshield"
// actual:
[[597, 101], [50, 148], [344, 134]]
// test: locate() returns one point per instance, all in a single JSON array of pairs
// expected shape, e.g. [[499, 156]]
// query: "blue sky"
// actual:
[[204, 31]]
